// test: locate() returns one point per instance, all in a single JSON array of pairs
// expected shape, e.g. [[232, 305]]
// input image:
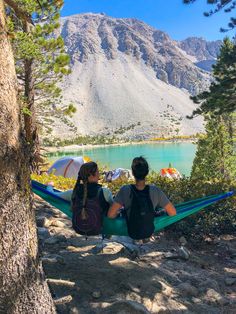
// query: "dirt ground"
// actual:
[[91, 276]]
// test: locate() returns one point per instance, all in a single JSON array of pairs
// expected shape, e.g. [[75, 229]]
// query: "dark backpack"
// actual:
[[140, 216], [91, 224]]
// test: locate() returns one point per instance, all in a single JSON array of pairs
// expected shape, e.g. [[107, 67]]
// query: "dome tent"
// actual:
[[170, 173], [68, 166]]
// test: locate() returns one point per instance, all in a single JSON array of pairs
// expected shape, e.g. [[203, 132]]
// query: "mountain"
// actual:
[[204, 52], [130, 79]]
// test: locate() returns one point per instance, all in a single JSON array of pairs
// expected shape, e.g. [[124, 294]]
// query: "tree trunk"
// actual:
[[22, 285], [31, 131]]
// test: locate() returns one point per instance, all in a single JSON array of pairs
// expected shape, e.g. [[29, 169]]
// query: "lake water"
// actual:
[[158, 155]]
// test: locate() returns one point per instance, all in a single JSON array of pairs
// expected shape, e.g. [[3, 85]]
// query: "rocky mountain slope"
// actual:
[[205, 53], [131, 79]]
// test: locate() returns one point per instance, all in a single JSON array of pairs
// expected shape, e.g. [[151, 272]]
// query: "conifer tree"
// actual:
[[215, 157], [41, 63], [221, 97], [23, 288]]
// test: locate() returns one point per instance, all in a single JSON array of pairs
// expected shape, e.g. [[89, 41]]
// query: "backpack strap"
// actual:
[[152, 192]]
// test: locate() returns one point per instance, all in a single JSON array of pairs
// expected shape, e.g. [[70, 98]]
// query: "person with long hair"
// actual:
[[87, 186]]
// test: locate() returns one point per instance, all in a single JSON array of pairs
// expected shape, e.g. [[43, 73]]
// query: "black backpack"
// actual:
[[140, 216], [91, 224]]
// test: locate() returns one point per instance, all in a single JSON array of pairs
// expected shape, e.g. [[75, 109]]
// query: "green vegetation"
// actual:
[[216, 156], [81, 140], [221, 97], [41, 63]]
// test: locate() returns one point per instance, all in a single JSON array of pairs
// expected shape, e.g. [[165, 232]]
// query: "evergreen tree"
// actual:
[[221, 97], [41, 63], [23, 288], [215, 157]]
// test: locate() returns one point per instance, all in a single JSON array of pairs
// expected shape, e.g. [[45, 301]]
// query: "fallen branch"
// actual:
[[63, 300], [60, 282]]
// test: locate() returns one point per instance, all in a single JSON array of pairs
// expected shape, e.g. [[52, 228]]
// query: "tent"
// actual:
[[170, 173], [68, 166], [118, 173]]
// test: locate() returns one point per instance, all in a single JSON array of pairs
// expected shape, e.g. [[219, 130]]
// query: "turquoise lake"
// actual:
[[158, 155]]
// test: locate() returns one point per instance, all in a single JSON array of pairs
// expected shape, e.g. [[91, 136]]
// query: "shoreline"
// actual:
[[76, 147]]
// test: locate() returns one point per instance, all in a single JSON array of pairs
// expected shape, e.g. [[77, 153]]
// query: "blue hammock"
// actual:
[[118, 226]]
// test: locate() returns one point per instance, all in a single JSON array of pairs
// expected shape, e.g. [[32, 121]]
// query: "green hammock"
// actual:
[[118, 226]]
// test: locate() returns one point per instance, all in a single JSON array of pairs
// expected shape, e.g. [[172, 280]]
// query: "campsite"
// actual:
[[117, 157]]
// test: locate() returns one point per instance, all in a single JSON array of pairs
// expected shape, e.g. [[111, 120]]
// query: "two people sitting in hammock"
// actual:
[[91, 201]]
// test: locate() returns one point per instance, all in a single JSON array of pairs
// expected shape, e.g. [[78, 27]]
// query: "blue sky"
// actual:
[[172, 16]]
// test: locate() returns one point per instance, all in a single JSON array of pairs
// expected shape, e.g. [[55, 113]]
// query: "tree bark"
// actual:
[[31, 130], [22, 284]]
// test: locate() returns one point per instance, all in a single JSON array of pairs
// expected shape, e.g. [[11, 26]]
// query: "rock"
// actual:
[[52, 240], [196, 300], [182, 241], [183, 253], [43, 233], [186, 289], [51, 257], [126, 307], [170, 255], [209, 283], [107, 248], [74, 310], [96, 294], [57, 223], [40, 220], [73, 248], [49, 260], [223, 301], [213, 296], [46, 222], [55, 239], [229, 281]]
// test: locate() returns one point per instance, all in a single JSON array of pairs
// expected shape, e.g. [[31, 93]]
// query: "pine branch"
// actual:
[[19, 12]]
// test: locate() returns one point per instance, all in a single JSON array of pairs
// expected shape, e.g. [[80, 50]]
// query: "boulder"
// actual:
[[186, 289]]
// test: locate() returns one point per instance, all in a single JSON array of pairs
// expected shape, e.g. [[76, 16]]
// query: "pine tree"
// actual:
[[23, 288], [215, 157], [41, 63], [221, 97]]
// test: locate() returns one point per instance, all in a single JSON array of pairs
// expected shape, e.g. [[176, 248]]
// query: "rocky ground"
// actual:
[[164, 276]]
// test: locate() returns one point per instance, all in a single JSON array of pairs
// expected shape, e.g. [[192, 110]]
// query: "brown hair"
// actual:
[[85, 171]]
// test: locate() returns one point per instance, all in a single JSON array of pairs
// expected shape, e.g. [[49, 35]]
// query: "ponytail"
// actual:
[[85, 194], [86, 170]]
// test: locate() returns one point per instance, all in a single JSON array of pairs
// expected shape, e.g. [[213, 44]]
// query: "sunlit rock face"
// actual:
[[131, 79]]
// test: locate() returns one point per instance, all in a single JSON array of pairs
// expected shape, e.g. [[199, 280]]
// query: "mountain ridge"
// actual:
[[125, 72]]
